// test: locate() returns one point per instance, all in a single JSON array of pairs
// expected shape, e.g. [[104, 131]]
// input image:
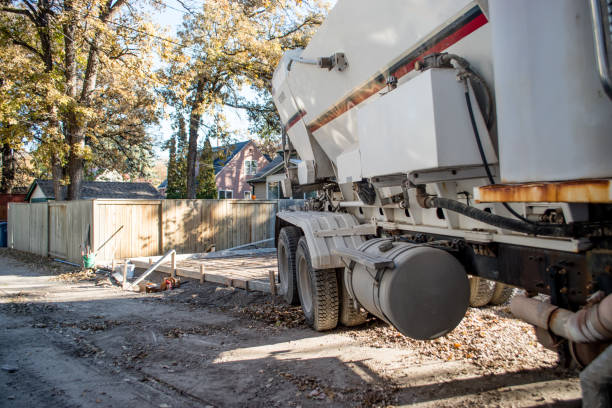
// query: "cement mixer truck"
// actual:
[[447, 140]]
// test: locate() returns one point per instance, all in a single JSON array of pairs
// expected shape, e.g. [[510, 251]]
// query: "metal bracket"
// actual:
[[364, 229], [369, 261]]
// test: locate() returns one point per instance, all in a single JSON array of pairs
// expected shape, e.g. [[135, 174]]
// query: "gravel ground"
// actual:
[[203, 345]]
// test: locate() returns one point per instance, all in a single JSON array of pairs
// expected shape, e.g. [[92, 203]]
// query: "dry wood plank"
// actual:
[[173, 263], [124, 282], [272, 282]]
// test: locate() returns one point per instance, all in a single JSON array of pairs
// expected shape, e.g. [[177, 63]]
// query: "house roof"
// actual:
[[230, 152], [268, 169], [101, 189]]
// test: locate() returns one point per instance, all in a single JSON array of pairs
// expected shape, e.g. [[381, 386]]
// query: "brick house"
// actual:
[[234, 166]]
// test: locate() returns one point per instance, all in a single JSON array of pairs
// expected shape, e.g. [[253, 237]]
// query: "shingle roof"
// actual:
[[231, 151], [102, 189], [268, 169]]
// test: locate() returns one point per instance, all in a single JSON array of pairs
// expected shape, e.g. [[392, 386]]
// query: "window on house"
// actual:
[[273, 190], [250, 167], [247, 195], [223, 194]]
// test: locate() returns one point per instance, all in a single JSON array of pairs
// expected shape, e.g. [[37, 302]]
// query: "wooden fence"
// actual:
[[150, 227]]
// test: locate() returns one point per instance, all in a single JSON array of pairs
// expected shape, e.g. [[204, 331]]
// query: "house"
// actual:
[[18, 195], [236, 164], [163, 187], [42, 190], [266, 183]]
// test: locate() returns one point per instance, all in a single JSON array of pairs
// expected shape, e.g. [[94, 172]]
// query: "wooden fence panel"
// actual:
[[68, 223], [28, 228], [19, 226], [39, 235], [150, 227], [141, 232], [190, 226]]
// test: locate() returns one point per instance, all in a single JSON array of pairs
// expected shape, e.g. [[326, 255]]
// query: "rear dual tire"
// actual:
[[287, 244], [321, 292], [350, 313], [486, 292], [318, 291]]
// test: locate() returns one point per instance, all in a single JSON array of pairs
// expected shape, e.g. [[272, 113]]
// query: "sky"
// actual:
[[171, 18]]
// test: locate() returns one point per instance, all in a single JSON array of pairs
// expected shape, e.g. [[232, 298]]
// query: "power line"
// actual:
[[147, 34], [184, 11]]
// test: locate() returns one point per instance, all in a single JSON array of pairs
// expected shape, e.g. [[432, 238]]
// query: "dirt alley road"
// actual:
[[85, 344]]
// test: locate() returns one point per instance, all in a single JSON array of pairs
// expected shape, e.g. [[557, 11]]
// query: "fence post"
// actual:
[[125, 269], [162, 247], [272, 282]]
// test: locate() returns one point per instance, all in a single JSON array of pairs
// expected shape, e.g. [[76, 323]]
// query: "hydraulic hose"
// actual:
[[483, 157], [493, 219]]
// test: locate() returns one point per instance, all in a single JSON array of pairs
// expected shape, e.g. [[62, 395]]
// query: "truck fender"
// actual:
[[315, 224]]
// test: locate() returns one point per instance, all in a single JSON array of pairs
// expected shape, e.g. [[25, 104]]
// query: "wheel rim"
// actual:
[[304, 281], [283, 268]]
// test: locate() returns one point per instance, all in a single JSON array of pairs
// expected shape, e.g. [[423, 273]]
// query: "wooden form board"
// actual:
[[249, 272]]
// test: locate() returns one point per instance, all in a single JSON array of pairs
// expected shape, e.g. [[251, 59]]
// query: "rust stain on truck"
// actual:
[[575, 191]]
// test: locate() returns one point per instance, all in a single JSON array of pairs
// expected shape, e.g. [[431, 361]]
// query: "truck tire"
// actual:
[[501, 294], [481, 291], [317, 289], [287, 244], [349, 314]]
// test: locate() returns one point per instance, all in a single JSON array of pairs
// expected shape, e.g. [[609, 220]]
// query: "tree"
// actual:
[[87, 68], [177, 161], [207, 187], [20, 107], [8, 169], [228, 45]]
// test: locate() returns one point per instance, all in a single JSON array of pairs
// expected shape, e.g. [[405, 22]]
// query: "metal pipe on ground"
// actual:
[[588, 325], [154, 266]]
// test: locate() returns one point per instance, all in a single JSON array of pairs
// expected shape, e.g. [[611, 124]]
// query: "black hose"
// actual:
[[496, 220], [483, 157]]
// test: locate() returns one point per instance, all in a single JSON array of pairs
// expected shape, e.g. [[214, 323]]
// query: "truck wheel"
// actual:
[[501, 294], [318, 291], [287, 243], [481, 291], [349, 314]]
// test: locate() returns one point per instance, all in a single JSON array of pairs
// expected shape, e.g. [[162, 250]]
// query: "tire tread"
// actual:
[[481, 291], [290, 236], [324, 285]]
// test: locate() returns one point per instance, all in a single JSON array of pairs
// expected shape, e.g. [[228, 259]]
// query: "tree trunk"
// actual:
[[58, 174], [194, 127], [76, 162], [77, 127], [8, 169]]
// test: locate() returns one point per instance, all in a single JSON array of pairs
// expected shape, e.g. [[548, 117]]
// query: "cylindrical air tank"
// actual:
[[424, 296]]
